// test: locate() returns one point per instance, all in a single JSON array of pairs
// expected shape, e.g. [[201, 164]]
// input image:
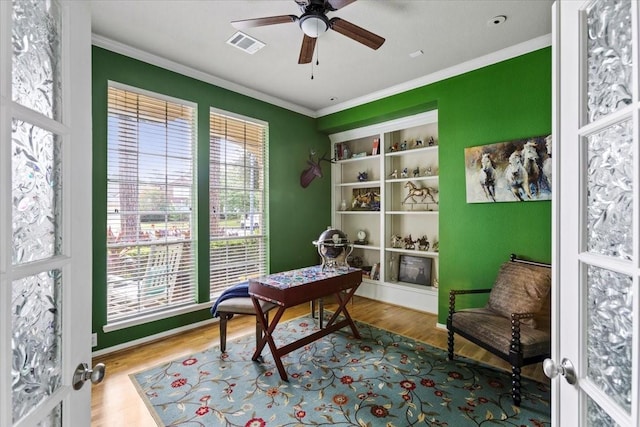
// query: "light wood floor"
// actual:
[[116, 401]]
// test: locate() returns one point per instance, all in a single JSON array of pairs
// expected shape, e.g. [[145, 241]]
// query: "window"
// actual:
[[237, 199], [150, 200]]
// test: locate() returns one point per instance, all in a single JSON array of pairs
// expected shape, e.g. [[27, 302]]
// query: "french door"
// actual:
[[596, 235], [45, 212]]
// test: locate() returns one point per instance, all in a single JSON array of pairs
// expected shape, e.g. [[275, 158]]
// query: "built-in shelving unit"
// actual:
[[376, 171]]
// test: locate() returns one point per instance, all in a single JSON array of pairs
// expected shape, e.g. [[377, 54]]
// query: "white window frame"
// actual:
[[239, 251], [168, 248]]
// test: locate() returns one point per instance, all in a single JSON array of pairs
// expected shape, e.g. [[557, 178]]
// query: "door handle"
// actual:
[[551, 370], [83, 373]]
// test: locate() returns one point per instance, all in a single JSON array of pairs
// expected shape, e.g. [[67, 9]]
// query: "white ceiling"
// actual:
[[193, 34]]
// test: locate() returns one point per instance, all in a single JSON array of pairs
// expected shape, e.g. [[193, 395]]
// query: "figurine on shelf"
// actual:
[[405, 173], [363, 176], [416, 172], [394, 174], [423, 243], [419, 143], [428, 171], [436, 246], [424, 192], [403, 146], [396, 241], [432, 142], [393, 147], [409, 243]]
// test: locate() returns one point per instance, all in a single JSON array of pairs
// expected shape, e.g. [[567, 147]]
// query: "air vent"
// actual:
[[245, 43]]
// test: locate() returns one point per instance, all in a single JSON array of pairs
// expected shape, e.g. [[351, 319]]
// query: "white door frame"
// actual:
[[75, 262]]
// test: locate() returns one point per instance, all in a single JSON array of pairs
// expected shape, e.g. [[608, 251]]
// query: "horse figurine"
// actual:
[[423, 243], [488, 176], [419, 192], [530, 160], [396, 241], [416, 172], [404, 173], [514, 174], [409, 243]]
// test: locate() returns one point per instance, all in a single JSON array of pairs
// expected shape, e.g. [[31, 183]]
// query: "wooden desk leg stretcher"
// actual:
[[331, 326]]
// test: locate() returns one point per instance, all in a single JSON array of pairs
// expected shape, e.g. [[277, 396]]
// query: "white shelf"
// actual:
[[358, 212], [413, 252], [412, 212], [369, 247], [357, 159], [394, 217], [359, 184], [418, 178], [412, 151]]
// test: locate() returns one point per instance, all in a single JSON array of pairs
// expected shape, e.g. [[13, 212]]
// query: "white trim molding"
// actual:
[[474, 64]]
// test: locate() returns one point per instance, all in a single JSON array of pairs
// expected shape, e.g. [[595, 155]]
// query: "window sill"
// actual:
[[123, 324]]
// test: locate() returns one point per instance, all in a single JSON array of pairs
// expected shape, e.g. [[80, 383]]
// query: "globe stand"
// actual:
[[334, 248]]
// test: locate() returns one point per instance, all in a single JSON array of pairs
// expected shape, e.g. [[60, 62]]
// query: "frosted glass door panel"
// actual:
[[610, 331], [609, 57], [36, 193], [36, 340], [610, 191], [36, 52]]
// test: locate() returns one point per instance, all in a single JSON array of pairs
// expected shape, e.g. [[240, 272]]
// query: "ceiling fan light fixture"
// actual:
[[314, 25]]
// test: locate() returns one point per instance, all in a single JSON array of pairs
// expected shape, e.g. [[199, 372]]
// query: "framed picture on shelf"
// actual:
[[366, 199], [415, 269]]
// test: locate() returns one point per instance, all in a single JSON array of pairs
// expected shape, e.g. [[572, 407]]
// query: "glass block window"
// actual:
[[150, 203], [237, 199]]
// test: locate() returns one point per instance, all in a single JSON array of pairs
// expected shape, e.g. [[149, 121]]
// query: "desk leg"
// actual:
[[268, 336], [343, 299]]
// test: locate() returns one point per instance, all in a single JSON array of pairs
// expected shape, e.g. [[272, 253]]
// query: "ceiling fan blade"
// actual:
[[261, 22], [306, 51], [338, 4], [356, 33]]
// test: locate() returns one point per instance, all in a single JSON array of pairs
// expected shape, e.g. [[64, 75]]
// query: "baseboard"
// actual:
[[441, 326], [150, 338]]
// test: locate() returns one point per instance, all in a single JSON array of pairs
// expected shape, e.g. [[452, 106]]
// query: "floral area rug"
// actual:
[[382, 379]]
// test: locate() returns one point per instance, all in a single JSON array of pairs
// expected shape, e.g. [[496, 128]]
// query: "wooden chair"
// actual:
[[515, 323]]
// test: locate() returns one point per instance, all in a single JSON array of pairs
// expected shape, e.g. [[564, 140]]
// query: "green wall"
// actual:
[[508, 100], [296, 216]]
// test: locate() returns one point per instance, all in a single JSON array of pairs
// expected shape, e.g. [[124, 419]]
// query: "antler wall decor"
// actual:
[[313, 170]]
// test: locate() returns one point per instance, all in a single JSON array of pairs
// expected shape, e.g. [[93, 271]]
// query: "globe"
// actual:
[[334, 248]]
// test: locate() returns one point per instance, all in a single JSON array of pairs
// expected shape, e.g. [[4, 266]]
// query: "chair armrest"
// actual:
[[515, 330], [452, 299], [454, 292]]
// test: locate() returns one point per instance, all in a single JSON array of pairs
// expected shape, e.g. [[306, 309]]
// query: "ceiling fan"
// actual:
[[314, 22]]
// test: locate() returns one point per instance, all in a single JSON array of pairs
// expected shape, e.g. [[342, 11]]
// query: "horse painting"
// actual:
[[414, 192], [511, 171], [530, 161], [515, 175], [488, 177]]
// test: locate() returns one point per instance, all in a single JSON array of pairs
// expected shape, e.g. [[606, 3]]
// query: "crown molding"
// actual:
[[464, 67], [167, 64]]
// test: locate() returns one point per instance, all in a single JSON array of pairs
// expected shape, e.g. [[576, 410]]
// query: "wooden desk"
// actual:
[[290, 288]]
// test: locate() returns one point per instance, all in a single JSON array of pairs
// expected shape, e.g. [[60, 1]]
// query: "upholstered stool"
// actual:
[[239, 305]]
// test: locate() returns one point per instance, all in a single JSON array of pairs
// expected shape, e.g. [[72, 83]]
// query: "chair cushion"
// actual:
[[520, 288], [242, 305], [495, 330]]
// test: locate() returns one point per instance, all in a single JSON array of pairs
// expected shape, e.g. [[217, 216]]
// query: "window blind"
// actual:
[[150, 200], [237, 196]]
